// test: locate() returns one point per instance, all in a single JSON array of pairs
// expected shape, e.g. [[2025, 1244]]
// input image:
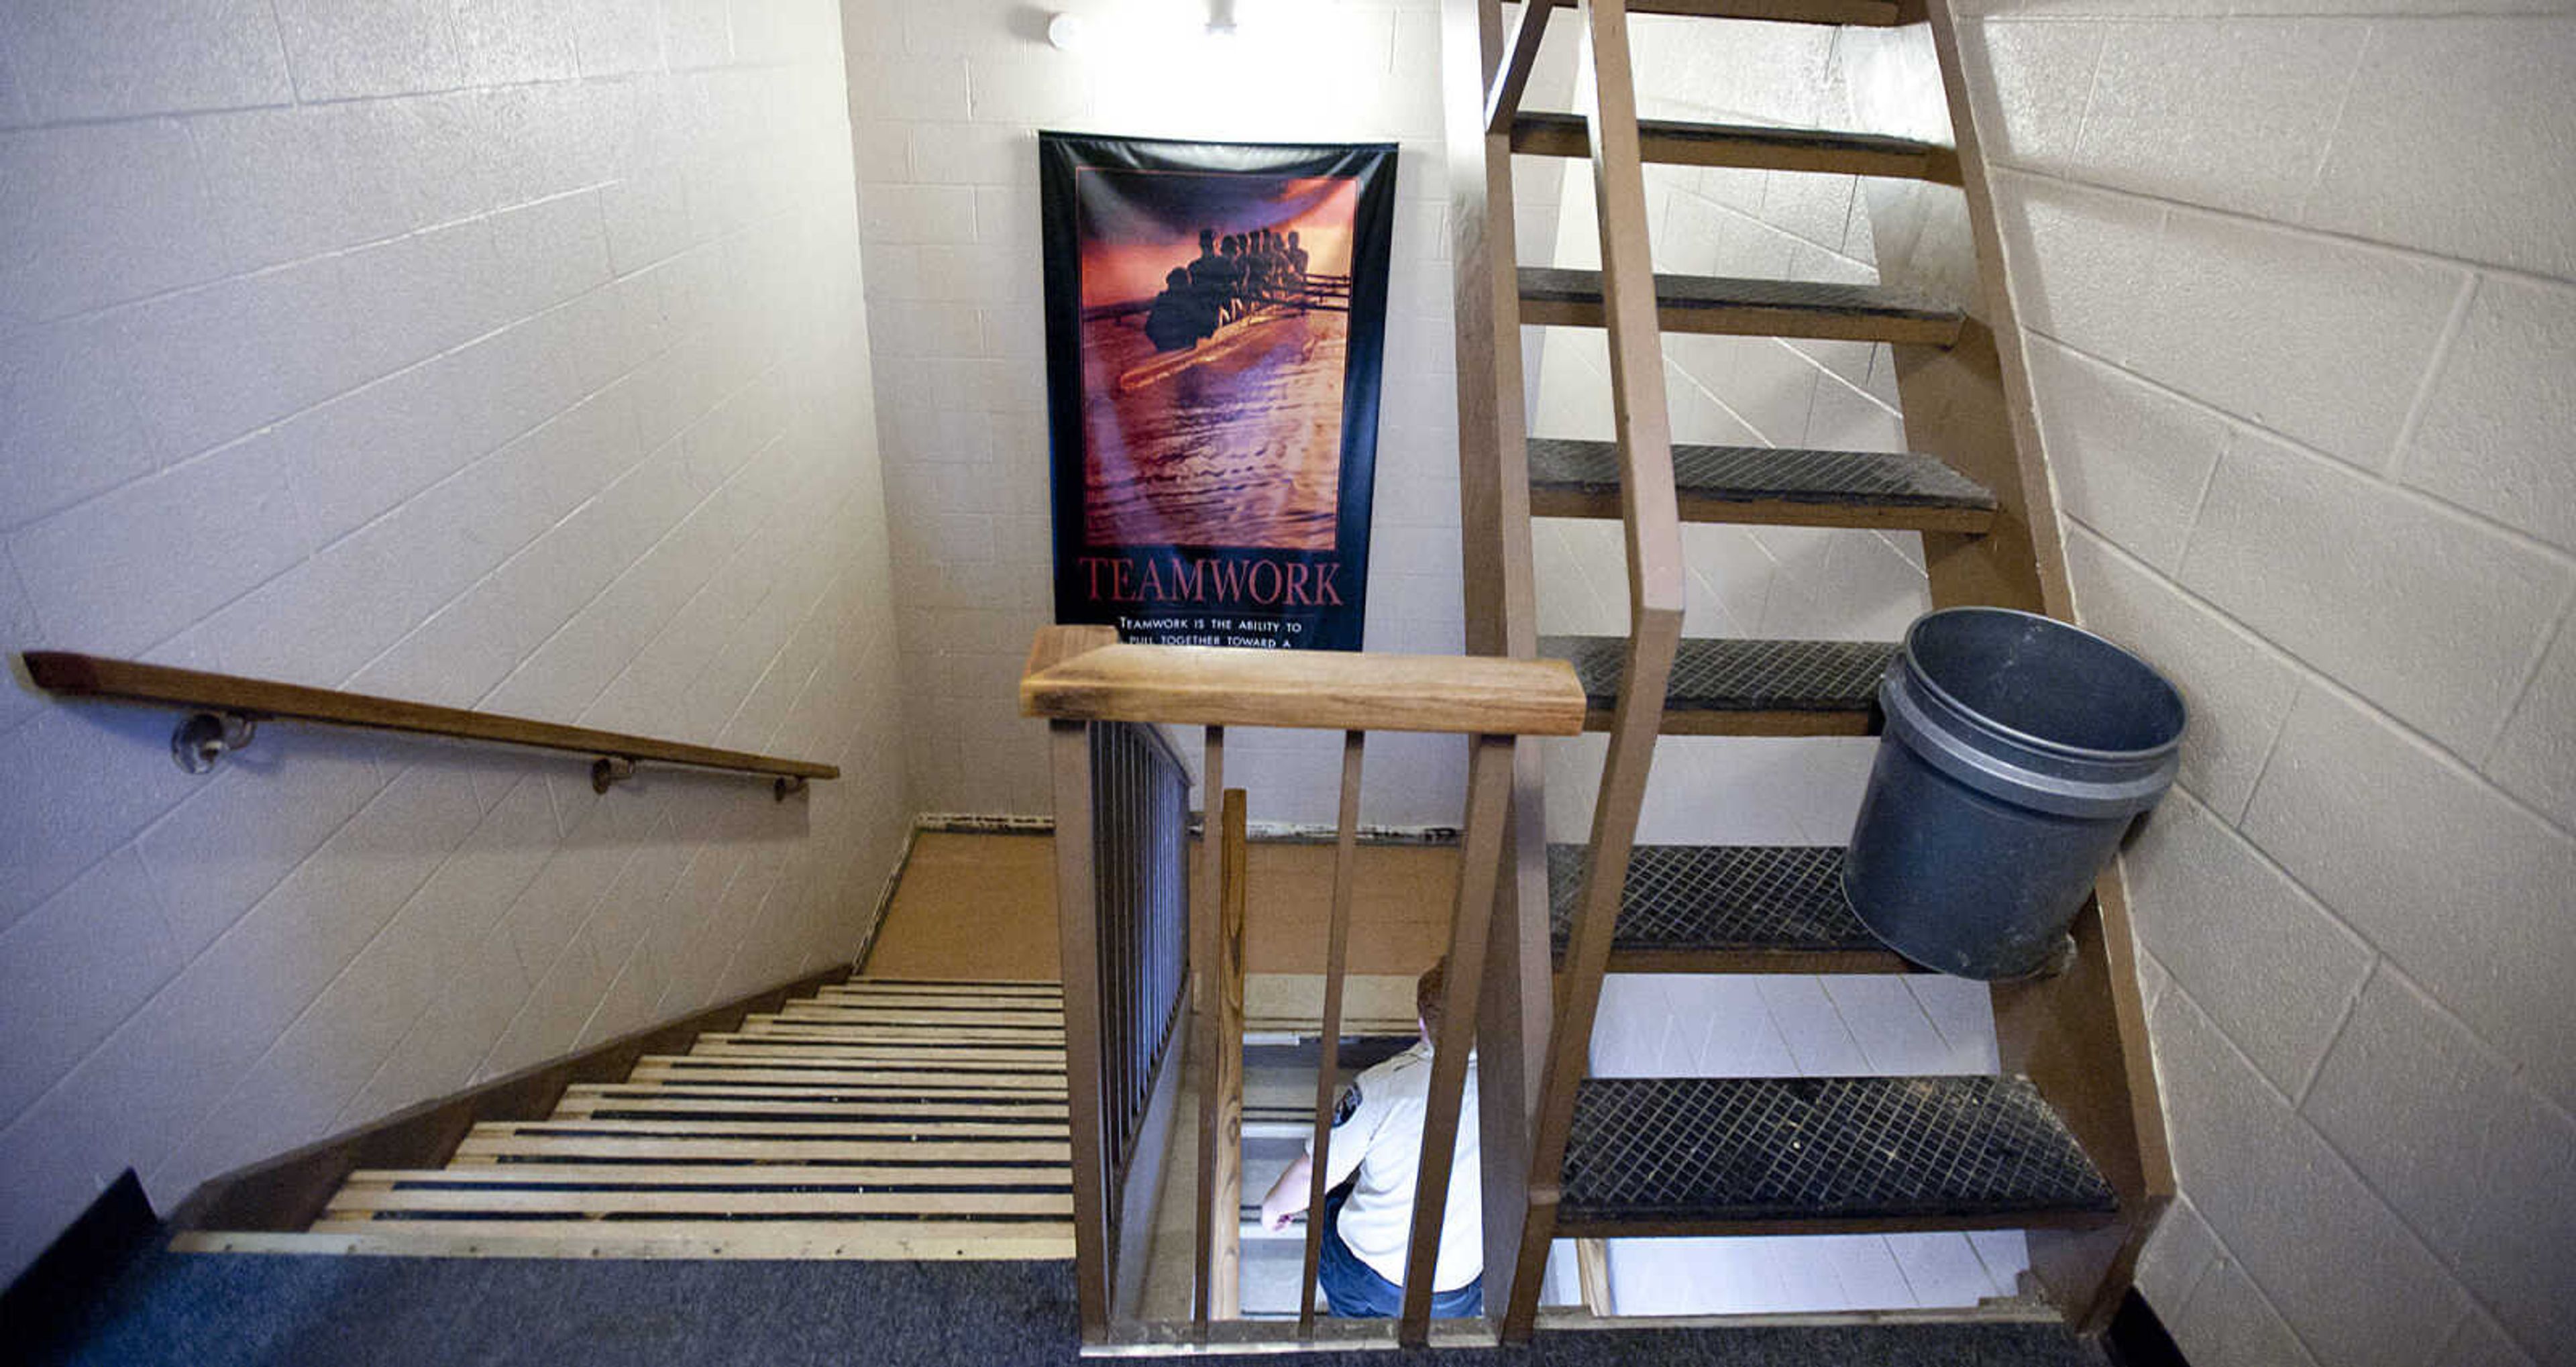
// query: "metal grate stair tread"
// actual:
[[1725, 909], [1770, 485], [1734, 686], [1552, 133], [1733, 305], [1678, 1156]]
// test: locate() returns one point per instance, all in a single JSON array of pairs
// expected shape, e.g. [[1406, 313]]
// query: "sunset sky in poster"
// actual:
[[1137, 225]]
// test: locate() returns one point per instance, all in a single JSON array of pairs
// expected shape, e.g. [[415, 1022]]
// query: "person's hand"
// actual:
[[1279, 1212]]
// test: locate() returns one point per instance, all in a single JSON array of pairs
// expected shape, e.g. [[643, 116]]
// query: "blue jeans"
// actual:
[[1354, 1290]]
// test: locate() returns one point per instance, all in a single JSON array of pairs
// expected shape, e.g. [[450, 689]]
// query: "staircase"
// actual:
[[2067, 1143], [875, 1119]]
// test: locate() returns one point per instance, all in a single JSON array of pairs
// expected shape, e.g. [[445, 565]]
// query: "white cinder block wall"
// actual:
[[2296, 286], [947, 98], [499, 355]]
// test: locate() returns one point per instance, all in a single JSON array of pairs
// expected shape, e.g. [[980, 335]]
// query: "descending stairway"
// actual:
[[875, 1119], [2074, 1145]]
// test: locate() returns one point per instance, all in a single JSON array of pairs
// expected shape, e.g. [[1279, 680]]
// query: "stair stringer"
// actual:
[[2079, 1036]]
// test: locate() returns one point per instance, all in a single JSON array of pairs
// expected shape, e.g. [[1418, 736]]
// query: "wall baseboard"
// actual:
[[81, 1260], [288, 1192], [2137, 1336]]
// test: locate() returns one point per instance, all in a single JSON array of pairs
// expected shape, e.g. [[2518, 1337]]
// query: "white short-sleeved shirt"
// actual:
[[1377, 1132]]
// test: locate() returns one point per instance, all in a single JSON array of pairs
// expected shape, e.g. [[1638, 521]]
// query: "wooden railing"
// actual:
[[225, 707], [1082, 680]]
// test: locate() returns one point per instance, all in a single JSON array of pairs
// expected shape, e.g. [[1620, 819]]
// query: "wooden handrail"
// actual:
[[1084, 674], [72, 675]]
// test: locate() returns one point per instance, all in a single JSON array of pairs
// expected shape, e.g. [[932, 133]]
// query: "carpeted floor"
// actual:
[[221, 1310]]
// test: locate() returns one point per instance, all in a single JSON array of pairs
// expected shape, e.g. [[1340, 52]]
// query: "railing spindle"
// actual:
[[1489, 791], [1207, 924], [1328, 1067]]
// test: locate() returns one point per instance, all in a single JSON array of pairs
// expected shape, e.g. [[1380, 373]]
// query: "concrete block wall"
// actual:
[[490, 355], [2299, 290], [947, 99]]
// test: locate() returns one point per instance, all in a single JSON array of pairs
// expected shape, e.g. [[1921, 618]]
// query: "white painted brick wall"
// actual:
[[2296, 286], [945, 101], [483, 353]]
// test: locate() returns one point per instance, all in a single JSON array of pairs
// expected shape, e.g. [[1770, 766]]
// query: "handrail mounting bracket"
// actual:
[[205, 737], [609, 770]]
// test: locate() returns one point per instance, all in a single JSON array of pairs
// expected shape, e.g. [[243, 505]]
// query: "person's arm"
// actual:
[[1286, 1199]]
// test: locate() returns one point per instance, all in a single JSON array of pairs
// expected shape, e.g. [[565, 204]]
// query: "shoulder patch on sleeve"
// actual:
[[1347, 1106]]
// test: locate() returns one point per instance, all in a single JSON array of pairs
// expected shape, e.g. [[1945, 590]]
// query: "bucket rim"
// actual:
[[1914, 668]]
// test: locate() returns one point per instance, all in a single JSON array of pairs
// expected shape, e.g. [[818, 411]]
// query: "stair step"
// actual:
[[1861, 13], [1552, 296], [1653, 1157], [1776, 486], [1727, 686], [1548, 133], [1726, 909]]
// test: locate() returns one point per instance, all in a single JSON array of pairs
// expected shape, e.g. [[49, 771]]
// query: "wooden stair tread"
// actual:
[[803, 1203], [1726, 909], [1730, 686], [1550, 133], [1737, 306], [769, 1110], [1857, 13], [591, 1147], [952, 984], [899, 1241], [1571, 477], [1685, 1156], [823, 1176]]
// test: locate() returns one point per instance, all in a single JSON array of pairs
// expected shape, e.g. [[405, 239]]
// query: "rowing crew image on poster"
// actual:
[[1215, 325]]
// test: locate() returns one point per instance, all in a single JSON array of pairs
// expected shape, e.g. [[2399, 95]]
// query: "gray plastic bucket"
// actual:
[[2017, 751]]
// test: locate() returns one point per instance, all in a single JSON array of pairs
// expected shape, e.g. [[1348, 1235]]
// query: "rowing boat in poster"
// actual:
[[1265, 321], [1206, 424]]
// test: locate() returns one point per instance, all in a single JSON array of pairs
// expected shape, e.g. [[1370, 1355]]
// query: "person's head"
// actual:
[[1207, 239], [1177, 278], [1429, 991], [1233, 245], [1292, 237]]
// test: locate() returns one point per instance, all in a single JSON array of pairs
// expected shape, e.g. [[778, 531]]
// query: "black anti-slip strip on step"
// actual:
[[1750, 307], [1683, 899], [1674, 1152], [1752, 474], [1728, 674], [1557, 134]]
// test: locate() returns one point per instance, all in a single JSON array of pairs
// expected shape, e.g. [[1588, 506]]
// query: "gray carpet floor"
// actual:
[[210, 1310]]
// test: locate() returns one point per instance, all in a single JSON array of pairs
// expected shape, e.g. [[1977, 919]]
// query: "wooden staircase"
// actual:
[[875, 1119], [2068, 1142]]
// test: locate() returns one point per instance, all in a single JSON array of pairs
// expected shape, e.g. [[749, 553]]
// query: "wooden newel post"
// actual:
[[1078, 941], [1216, 971]]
